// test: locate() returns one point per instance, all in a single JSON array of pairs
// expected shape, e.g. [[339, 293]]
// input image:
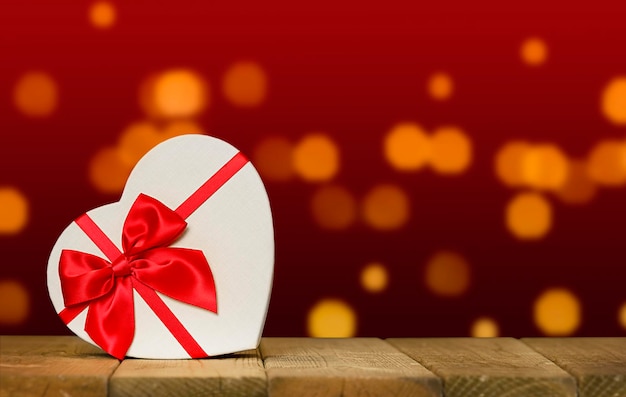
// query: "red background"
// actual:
[[352, 70]]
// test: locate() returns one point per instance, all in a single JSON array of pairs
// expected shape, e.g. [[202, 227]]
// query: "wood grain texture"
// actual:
[[53, 366], [343, 367], [488, 367], [598, 364], [239, 374]]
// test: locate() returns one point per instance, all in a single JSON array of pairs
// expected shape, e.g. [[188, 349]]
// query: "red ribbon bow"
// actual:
[[147, 264]]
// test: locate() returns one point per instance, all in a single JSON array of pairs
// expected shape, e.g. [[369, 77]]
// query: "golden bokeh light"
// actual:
[[447, 274], [578, 188], [557, 312], [108, 172], [613, 101], [440, 86], [178, 93], [621, 315], [36, 94], [102, 14], [529, 216], [180, 127], [273, 157], [374, 277], [407, 147], [14, 302], [333, 207], [245, 84], [332, 318], [386, 207], [534, 51], [451, 151], [605, 164], [316, 158], [485, 327], [545, 166], [136, 140], [509, 161], [14, 211]]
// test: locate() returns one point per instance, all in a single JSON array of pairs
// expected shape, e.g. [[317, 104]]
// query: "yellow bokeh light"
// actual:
[[386, 207], [374, 277], [529, 216], [614, 100], [578, 188], [245, 84], [440, 86], [605, 164], [36, 94], [273, 157], [557, 312], [332, 318], [13, 211], [451, 151], [333, 207], [447, 274], [407, 147], [621, 315], [534, 51], [509, 161], [316, 158], [102, 14], [14, 302], [108, 172], [136, 140], [180, 127], [485, 327], [545, 166], [179, 93]]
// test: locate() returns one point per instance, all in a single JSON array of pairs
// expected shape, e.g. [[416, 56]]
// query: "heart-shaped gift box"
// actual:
[[180, 267]]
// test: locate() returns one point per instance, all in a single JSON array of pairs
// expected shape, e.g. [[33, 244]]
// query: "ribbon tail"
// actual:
[[180, 273], [111, 319]]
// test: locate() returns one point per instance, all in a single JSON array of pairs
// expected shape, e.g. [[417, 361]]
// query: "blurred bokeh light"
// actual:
[[447, 274], [434, 169], [386, 207], [557, 312], [333, 207], [534, 51], [102, 14], [245, 84], [316, 158], [529, 216], [36, 94], [484, 327], [14, 210], [332, 318], [14, 303], [374, 277]]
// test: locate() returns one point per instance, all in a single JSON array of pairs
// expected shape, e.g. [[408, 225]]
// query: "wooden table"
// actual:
[[583, 367]]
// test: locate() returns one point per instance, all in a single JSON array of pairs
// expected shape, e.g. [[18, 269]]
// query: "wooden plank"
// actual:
[[343, 367], [53, 366], [488, 367], [239, 374], [598, 364]]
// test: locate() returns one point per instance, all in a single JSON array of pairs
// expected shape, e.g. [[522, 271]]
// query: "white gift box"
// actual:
[[232, 228]]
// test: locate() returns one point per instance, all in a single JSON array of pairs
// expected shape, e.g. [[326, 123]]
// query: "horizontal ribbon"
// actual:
[[146, 264]]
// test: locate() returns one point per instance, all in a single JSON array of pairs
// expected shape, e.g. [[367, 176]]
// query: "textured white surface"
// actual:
[[233, 228]]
